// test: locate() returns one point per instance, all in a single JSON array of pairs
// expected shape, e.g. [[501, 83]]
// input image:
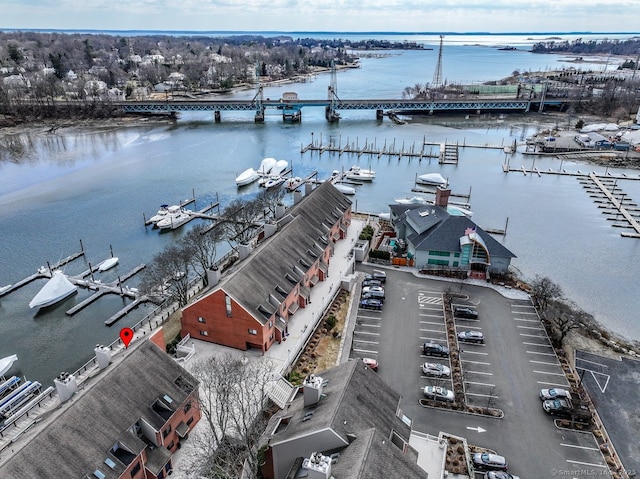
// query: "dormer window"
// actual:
[[304, 263]]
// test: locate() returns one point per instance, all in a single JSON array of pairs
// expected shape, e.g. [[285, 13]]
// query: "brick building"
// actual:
[[253, 305]]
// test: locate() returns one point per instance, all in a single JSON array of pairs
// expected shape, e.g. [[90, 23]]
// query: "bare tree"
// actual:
[[239, 220], [268, 199], [167, 276], [545, 290], [233, 402], [203, 243]]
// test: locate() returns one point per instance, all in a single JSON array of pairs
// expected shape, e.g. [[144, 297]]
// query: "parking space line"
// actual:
[[470, 320], [364, 341], [539, 328], [543, 362], [435, 340], [439, 293], [474, 362], [542, 354], [366, 332], [525, 312], [439, 331], [482, 395], [439, 323], [479, 372], [546, 345], [547, 372], [592, 362], [432, 315], [377, 318], [558, 384], [587, 463], [527, 320], [481, 384], [541, 336], [369, 325], [580, 447], [470, 327], [476, 352], [365, 351]]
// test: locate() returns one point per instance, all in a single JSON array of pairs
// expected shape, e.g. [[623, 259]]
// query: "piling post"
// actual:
[[120, 285], [91, 272], [81, 245], [505, 225], [144, 219], [49, 267], [111, 249]]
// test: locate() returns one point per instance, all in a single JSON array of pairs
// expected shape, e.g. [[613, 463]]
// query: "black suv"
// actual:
[[434, 349], [464, 312]]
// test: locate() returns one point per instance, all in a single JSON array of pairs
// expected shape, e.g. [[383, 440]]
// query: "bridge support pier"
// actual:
[[259, 118], [379, 115], [331, 115], [216, 116]]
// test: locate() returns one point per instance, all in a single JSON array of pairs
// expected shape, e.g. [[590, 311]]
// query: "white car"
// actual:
[[554, 393], [471, 336], [438, 393], [435, 369], [371, 289]]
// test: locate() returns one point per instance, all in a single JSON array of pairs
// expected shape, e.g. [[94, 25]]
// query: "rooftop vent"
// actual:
[[66, 386], [312, 388], [103, 356]]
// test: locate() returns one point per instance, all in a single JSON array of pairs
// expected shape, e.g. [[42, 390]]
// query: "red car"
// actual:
[[372, 363]]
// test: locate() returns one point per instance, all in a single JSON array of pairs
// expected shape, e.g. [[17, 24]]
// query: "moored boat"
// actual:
[[56, 289], [162, 212], [247, 177], [108, 263], [434, 179], [345, 189], [358, 174], [274, 181], [279, 168], [412, 200], [293, 183], [175, 217], [266, 166], [6, 363]]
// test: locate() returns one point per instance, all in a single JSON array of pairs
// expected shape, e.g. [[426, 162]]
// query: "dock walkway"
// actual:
[[618, 205]]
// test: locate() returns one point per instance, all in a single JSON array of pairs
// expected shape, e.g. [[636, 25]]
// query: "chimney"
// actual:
[[103, 355], [308, 186], [244, 250], [270, 229], [213, 276], [317, 466], [297, 196], [442, 196], [312, 387], [280, 209], [66, 386]]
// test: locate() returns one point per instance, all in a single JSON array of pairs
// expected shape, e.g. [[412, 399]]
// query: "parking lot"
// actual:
[[506, 372]]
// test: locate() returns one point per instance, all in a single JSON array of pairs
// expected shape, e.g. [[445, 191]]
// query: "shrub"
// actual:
[[379, 254], [330, 322]]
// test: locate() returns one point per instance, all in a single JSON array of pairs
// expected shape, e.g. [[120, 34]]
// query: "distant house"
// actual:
[[350, 416], [437, 235], [253, 306], [126, 425]]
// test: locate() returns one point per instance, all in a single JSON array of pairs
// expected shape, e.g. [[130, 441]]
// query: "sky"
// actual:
[[493, 16]]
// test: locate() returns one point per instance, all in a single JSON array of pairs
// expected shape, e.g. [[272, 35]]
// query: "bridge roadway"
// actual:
[[475, 105]]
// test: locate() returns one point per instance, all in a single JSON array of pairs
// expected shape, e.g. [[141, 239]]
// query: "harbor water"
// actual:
[[94, 185]]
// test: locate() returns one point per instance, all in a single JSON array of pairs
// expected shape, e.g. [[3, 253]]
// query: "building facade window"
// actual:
[[135, 470], [253, 331], [227, 302], [201, 319], [189, 421], [187, 407], [440, 262], [204, 333], [170, 446], [270, 324], [166, 432]]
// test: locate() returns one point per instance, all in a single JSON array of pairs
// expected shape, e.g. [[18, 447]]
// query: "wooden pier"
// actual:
[[369, 148], [618, 205]]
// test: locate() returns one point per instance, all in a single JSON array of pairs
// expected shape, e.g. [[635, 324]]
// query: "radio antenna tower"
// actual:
[[437, 76]]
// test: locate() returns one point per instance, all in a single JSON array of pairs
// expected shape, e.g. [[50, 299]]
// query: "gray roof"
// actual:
[[78, 441], [442, 231], [370, 455], [306, 222]]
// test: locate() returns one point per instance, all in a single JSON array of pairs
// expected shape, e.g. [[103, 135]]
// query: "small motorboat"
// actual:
[[108, 263], [56, 289], [247, 177], [6, 363], [433, 179], [6, 288], [358, 174], [279, 168], [274, 181], [162, 212], [345, 189], [293, 183], [266, 166], [412, 200], [175, 217]]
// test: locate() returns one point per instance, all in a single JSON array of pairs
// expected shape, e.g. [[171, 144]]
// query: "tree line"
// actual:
[[629, 47]]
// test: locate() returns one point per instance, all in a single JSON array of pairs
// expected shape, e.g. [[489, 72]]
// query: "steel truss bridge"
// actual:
[[292, 108]]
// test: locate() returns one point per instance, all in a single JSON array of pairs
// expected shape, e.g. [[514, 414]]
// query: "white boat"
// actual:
[[274, 181], [266, 165], [56, 289], [6, 363], [293, 183], [434, 179], [412, 200], [108, 263], [175, 217], [6, 288], [358, 174], [344, 189], [162, 212], [247, 177], [279, 168]]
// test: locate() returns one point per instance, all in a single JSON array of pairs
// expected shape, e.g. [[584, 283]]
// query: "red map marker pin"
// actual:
[[126, 334]]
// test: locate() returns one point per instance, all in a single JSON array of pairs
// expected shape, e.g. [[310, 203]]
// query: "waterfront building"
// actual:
[[435, 237], [125, 424], [253, 305]]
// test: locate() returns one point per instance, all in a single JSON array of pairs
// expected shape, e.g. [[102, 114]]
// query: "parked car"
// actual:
[[555, 393], [557, 407], [435, 349], [371, 282], [370, 289], [371, 304], [372, 363], [500, 475], [438, 393], [377, 275], [436, 370], [464, 312], [471, 336], [485, 461], [374, 295]]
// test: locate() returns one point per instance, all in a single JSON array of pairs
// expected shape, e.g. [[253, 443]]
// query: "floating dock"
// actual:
[[369, 148], [617, 204]]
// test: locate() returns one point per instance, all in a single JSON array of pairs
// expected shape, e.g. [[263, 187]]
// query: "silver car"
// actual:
[[438, 393], [436, 370], [554, 393], [471, 336]]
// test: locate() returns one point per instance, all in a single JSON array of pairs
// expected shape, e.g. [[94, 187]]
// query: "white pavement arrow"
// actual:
[[477, 429]]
